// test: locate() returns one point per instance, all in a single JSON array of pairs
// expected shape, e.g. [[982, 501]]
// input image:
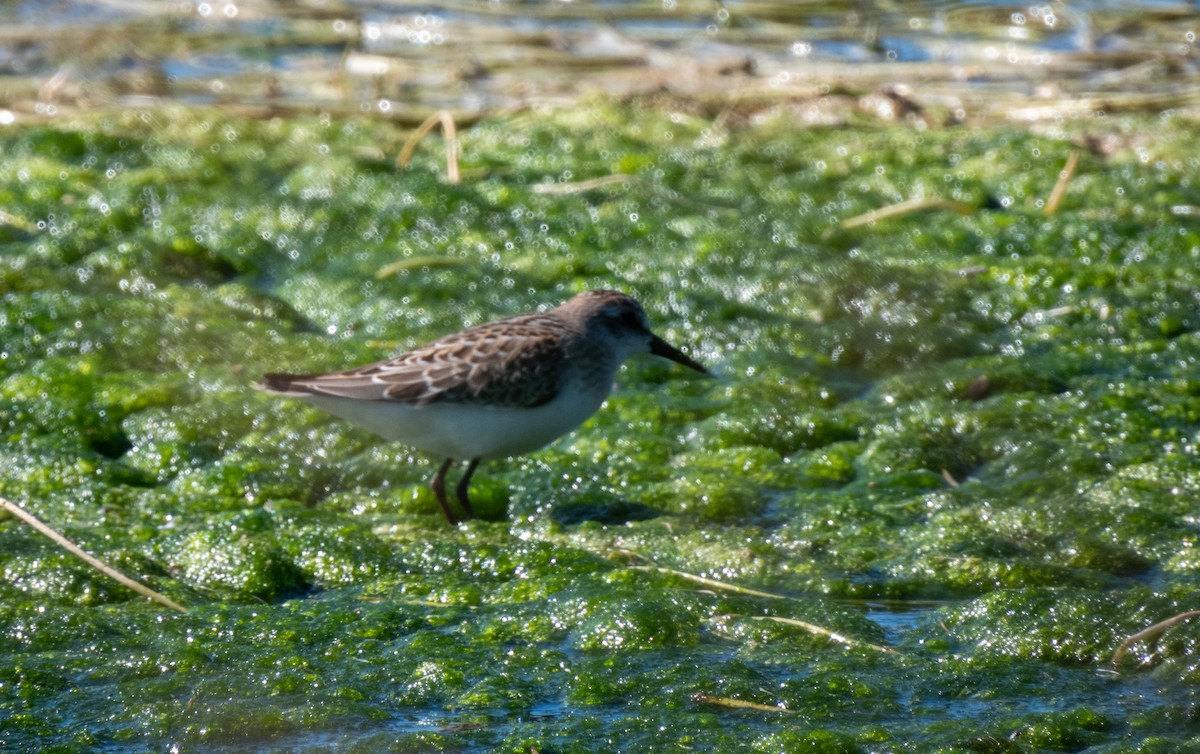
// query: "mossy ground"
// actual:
[[970, 435]]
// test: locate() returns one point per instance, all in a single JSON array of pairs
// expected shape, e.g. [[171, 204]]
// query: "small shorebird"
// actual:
[[495, 390]]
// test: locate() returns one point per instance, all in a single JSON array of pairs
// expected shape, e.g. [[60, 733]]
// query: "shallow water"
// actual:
[[391, 61]]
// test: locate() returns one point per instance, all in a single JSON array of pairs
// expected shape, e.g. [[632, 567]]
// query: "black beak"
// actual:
[[660, 347]]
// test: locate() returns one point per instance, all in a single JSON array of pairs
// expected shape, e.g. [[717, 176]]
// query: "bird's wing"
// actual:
[[516, 362]]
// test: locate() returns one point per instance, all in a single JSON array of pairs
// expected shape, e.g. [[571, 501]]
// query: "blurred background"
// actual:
[[403, 60]]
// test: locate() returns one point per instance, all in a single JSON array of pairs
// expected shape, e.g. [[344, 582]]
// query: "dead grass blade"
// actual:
[[448, 130], [813, 628], [1150, 633], [1064, 178], [904, 208], [20, 223], [416, 263], [580, 187], [96, 563], [731, 703], [810, 627], [721, 585]]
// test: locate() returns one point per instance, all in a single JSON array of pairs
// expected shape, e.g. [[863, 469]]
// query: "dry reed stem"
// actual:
[[580, 187], [94, 562], [810, 627], [416, 263], [813, 628], [1064, 178], [709, 582], [903, 208], [20, 223], [1149, 633], [448, 130], [731, 703]]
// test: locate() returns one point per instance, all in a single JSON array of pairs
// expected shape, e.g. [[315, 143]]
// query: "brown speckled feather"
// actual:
[[515, 362]]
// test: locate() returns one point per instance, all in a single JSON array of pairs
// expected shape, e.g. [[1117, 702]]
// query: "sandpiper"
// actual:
[[494, 390]]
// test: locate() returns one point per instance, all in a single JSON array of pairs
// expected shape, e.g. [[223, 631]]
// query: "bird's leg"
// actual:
[[461, 489], [439, 490]]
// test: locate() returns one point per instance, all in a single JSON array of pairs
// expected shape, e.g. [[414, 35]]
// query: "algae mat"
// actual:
[[959, 434]]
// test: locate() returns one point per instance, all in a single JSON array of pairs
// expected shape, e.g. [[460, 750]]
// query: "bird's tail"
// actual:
[[281, 384]]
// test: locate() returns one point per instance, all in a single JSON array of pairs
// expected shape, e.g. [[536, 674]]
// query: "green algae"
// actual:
[[985, 422]]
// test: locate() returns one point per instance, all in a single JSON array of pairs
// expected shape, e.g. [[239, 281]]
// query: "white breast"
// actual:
[[453, 430]]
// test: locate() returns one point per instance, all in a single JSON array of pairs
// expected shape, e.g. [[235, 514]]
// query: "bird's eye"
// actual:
[[631, 320]]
